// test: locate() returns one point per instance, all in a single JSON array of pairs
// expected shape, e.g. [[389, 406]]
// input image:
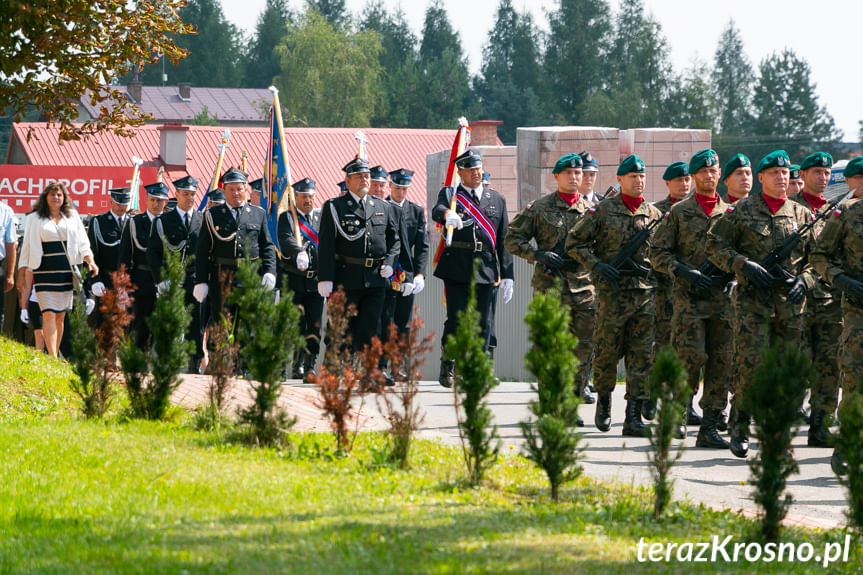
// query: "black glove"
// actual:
[[607, 272], [757, 275], [695, 278], [849, 285], [551, 260], [797, 289]]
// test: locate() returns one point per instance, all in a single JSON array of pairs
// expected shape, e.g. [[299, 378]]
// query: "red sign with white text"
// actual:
[[88, 186]]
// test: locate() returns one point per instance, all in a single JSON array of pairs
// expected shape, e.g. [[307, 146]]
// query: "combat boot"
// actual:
[[447, 373], [586, 396], [739, 443], [708, 436], [837, 463], [648, 409], [722, 420], [692, 418], [602, 419], [632, 424], [819, 433]]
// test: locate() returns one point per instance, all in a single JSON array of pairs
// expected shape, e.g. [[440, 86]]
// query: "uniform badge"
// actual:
[[730, 209], [591, 210]]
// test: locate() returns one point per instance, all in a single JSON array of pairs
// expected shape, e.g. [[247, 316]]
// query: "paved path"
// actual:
[[713, 477]]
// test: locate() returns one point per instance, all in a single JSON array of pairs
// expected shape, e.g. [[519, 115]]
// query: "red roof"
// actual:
[[317, 153]]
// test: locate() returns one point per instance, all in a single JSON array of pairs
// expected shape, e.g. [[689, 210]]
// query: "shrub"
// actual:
[[850, 445]]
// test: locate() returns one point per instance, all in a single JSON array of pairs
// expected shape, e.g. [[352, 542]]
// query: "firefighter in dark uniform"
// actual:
[[104, 234], [133, 253], [230, 232], [479, 231], [300, 265], [178, 230], [400, 304], [359, 244]]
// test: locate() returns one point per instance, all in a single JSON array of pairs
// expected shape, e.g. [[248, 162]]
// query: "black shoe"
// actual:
[[632, 425], [837, 464], [722, 421], [692, 418], [388, 378], [708, 436], [587, 397], [590, 387], [803, 416], [648, 409], [602, 419], [739, 443], [579, 422], [819, 434], [447, 373]]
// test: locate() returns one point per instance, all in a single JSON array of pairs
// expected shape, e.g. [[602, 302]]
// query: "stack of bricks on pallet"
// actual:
[[498, 161], [539, 149], [659, 147]]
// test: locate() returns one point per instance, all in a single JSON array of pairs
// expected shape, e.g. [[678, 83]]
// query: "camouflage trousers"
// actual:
[[822, 333], [851, 346], [664, 313], [702, 334], [625, 322], [760, 323], [582, 313]]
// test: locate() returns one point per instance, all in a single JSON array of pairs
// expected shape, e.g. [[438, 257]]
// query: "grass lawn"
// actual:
[[137, 497]]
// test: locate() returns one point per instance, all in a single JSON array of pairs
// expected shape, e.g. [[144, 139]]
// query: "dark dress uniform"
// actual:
[[104, 233], [170, 231], [357, 238], [303, 283], [398, 308], [227, 236], [133, 253], [456, 262]]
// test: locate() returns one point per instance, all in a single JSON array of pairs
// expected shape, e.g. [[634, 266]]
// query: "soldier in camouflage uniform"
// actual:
[[626, 309], [838, 257], [678, 182], [768, 308], [795, 181], [547, 221], [701, 328], [737, 177], [822, 326]]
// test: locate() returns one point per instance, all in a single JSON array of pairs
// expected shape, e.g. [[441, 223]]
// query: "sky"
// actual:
[[826, 35]]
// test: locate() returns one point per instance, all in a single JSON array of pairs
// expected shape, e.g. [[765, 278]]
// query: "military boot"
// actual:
[[722, 421], [299, 365], [586, 396], [837, 463], [692, 418], [819, 433], [447, 373], [708, 436], [632, 424], [648, 408], [602, 419], [739, 443]]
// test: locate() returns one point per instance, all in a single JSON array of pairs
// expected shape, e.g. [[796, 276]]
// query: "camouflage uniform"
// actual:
[[701, 328], [664, 304], [749, 231], [625, 318], [822, 331], [546, 221], [839, 250]]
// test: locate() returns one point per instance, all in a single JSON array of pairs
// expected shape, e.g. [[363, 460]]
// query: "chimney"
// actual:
[[185, 91], [484, 132], [134, 91], [172, 143]]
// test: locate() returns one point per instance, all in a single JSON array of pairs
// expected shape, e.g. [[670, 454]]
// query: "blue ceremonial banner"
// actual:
[[277, 178]]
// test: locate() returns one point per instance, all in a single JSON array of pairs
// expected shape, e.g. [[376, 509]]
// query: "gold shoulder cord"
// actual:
[[214, 232]]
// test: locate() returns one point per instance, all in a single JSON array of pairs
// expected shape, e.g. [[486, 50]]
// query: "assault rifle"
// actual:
[[623, 261]]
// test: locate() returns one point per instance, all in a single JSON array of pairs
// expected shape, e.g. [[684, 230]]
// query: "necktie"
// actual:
[[186, 219], [237, 214]]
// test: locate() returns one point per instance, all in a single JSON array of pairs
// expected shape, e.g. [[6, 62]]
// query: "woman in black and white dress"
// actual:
[[54, 241]]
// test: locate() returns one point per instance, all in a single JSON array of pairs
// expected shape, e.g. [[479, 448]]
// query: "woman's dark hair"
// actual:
[[41, 206]]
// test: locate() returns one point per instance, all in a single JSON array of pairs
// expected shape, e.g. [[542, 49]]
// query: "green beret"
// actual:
[[775, 159], [567, 161], [794, 170], [854, 167], [703, 158], [736, 161], [675, 170], [631, 163], [818, 159]]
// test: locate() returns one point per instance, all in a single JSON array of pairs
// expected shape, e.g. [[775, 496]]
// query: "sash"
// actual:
[[478, 216], [309, 232]]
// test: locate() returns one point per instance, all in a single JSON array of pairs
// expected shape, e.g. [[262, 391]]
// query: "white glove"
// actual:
[[325, 289], [386, 271], [302, 261], [200, 291], [419, 284], [25, 317], [278, 297], [451, 219], [91, 305], [268, 281], [98, 289], [162, 287], [506, 290], [407, 289]]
